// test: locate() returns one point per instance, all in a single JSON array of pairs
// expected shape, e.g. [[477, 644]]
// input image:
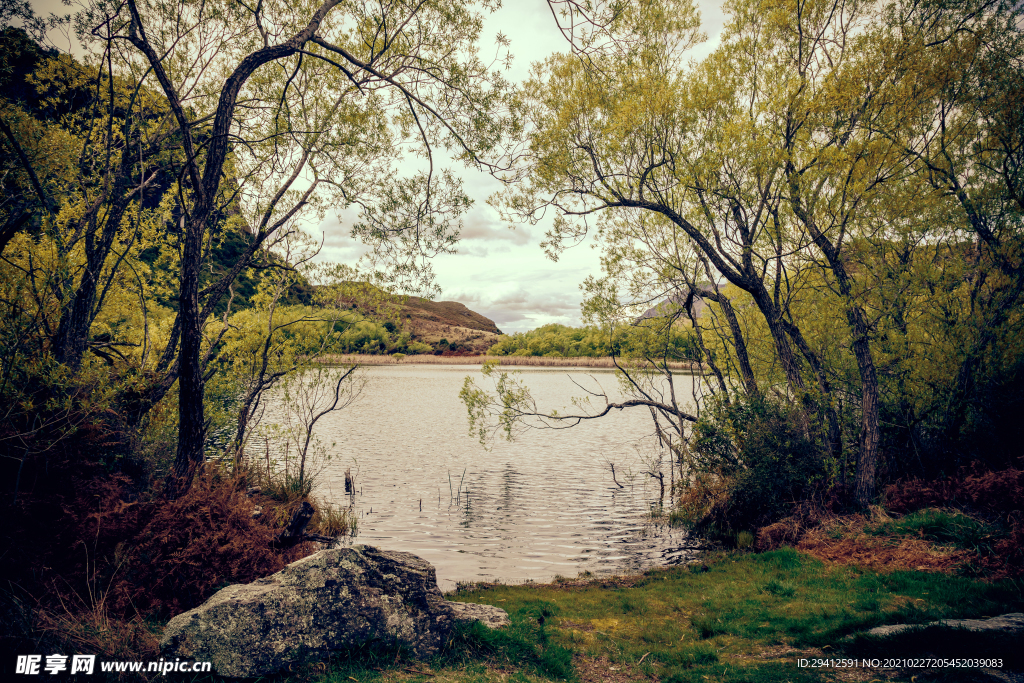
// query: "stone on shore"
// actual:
[[488, 615], [332, 600], [1007, 623]]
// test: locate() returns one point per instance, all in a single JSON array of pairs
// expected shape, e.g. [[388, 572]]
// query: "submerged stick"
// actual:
[[612, 465]]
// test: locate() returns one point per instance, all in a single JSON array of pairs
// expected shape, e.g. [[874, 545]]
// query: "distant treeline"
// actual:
[[561, 341], [359, 334]]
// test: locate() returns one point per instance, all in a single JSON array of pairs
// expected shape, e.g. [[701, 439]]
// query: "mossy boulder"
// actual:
[[333, 600]]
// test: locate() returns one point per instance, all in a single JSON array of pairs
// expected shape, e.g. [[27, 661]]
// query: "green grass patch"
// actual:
[[942, 526], [524, 644], [720, 624]]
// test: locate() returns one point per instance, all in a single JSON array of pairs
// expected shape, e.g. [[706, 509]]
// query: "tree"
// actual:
[[765, 166], [88, 147], [284, 110], [965, 135], [269, 341]]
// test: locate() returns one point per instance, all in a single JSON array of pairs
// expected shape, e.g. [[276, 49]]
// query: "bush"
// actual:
[[186, 549], [997, 496], [942, 526], [419, 347], [757, 449], [999, 493]]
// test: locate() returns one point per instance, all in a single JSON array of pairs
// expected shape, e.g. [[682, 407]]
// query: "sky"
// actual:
[[499, 272], [502, 272]]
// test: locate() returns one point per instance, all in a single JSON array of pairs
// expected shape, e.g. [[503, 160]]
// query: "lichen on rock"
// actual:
[[332, 600]]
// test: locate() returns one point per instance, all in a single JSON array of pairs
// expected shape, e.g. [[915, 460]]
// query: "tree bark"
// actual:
[[870, 431], [191, 418], [746, 371], [72, 337]]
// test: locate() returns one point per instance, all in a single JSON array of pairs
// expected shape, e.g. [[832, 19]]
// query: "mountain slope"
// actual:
[[433, 321], [450, 313]]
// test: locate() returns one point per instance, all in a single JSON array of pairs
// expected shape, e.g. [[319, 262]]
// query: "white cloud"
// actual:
[[481, 225], [502, 273]]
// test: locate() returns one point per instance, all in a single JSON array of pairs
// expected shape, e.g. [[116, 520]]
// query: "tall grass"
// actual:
[[942, 526], [505, 361]]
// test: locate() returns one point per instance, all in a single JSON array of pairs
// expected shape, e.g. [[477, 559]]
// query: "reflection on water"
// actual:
[[528, 510]]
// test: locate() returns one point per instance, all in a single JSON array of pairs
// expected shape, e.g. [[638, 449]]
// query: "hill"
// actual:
[[430, 322], [448, 327]]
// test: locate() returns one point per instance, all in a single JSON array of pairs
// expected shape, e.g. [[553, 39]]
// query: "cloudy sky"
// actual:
[[499, 272]]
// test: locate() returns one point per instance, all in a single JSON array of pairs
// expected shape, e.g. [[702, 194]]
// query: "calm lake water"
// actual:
[[529, 510]]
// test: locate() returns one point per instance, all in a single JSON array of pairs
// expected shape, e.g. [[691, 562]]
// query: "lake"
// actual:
[[542, 506]]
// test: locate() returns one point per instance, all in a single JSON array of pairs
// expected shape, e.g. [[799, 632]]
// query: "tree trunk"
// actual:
[[72, 337], [191, 420], [746, 371], [870, 430], [835, 439]]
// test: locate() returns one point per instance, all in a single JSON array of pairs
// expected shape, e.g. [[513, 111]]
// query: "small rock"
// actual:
[[489, 616]]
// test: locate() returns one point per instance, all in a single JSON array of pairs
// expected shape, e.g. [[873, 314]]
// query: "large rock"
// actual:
[[332, 600]]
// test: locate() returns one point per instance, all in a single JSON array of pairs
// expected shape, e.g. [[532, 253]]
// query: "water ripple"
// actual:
[[527, 510]]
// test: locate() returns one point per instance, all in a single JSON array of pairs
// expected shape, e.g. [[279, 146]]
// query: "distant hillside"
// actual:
[[447, 326], [677, 302], [433, 321], [448, 313]]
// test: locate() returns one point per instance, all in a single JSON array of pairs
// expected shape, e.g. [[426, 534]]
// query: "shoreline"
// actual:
[[504, 361], [731, 616]]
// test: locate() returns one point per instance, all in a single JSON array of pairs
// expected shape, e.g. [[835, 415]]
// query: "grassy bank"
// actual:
[[738, 616], [504, 361]]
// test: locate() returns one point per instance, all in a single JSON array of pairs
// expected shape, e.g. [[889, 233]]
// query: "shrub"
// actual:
[[943, 526], [1000, 493], [164, 557], [418, 347], [758, 450], [998, 496]]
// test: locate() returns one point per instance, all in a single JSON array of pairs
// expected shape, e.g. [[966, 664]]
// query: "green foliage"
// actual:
[[757, 448], [637, 341], [834, 191], [942, 526], [418, 347]]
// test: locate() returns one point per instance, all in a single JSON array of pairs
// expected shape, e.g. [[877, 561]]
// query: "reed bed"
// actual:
[[524, 361]]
